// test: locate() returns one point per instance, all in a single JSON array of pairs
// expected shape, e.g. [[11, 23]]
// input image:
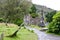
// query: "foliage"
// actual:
[[50, 15], [1, 19], [18, 22], [32, 31], [34, 15], [54, 26], [33, 11], [15, 9]]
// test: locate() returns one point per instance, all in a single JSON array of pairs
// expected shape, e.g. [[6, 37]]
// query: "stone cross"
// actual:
[[42, 19]]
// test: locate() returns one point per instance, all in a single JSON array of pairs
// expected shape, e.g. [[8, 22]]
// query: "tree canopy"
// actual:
[[11, 10], [50, 15], [54, 26], [33, 11]]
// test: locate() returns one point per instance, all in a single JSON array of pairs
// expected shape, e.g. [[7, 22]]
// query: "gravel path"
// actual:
[[43, 35]]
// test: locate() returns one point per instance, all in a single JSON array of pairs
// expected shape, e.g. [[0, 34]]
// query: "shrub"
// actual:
[[18, 21], [1, 19], [32, 31], [50, 15], [34, 15], [54, 26]]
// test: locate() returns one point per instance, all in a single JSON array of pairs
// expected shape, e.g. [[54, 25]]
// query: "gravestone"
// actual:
[[1, 36]]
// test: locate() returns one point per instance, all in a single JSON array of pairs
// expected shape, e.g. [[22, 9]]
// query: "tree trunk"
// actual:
[[15, 33]]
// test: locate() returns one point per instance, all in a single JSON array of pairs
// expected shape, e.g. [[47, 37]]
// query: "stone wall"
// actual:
[[29, 20]]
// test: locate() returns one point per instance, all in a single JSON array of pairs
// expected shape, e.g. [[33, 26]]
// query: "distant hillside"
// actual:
[[44, 8]]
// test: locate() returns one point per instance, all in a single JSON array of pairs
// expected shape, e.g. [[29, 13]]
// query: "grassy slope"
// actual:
[[23, 34]]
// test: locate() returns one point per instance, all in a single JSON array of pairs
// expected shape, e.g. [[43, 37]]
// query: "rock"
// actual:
[[43, 29]]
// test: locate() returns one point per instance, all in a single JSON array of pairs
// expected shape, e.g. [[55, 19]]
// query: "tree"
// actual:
[[33, 11], [54, 26], [14, 11], [50, 15]]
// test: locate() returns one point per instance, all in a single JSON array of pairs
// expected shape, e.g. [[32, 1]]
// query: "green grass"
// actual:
[[23, 34], [52, 33], [35, 26]]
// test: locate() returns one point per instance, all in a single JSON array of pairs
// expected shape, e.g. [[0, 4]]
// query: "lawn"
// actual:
[[23, 34], [35, 26]]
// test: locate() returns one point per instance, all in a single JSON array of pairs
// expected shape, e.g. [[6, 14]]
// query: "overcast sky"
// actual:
[[54, 4]]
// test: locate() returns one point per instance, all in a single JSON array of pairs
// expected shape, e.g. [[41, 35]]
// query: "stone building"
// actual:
[[41, 11], [28, 20]]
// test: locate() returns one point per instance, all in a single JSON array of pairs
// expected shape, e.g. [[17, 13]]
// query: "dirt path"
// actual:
[[43, 35]]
